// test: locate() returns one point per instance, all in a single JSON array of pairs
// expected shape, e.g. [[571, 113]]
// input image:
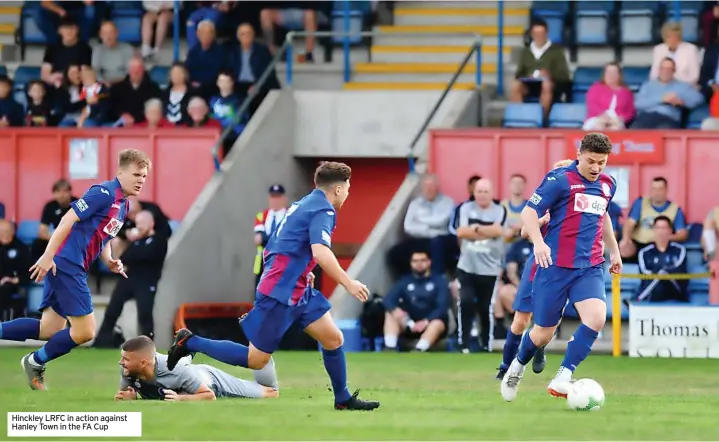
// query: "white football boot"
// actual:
[[559, 387], [510, 382]]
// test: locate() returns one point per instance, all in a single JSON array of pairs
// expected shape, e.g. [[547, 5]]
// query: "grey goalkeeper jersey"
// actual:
[[187, 378], [484, 256]]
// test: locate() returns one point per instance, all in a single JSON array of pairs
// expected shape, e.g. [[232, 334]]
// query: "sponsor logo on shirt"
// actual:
[[113, 227], [535, 199], [593, 204], [577, 186], [81, 205]]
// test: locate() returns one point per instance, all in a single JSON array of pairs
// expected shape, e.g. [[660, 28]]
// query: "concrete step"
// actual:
[[419, 78], [406, 86], [455, 16], [475, 4], [421, 68], [433, 54], [7, 28], [450, 29], [394, 39]]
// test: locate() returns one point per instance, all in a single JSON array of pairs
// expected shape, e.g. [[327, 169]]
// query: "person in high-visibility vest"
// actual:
[[266, 222], [709, 233], [514, 206]]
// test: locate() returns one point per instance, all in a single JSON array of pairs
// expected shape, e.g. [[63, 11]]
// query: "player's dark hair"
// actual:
[[61, 184], [596, 143], [519, 175], [660, 179], [331, 172], [140, 343], [473, 179], [133, 156], [663, 218]]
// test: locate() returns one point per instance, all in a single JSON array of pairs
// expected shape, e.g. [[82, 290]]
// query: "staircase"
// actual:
[[9, 21], [422, 50]]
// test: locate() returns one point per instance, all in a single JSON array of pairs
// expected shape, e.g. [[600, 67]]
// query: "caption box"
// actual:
[[88, 424]]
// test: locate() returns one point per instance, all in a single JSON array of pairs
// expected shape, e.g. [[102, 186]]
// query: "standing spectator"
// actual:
[[205, 60], [51, 13], [199, 114], [426, 226], [111, 59], [14, 270], [684, 54], [177, 95], [481, 227], [266, 222], [156, 12], [417, 306], [70, 51], [610, 103], [543, 69], [212, 12], [638, 232], [292, 18], [69, 96], [40, 112], [660, 102], [514, 206], [454, 218], [11, 113], [52, 213], [663, 257], [128, 97], [709, 233], [154, 115]]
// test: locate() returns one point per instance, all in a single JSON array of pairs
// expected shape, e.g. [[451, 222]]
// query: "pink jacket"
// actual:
[[599, 98], [686, 58]]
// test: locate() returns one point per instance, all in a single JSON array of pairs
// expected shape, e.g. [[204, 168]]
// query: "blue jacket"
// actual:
[[421, 297], [10, 109], [204, 66], [653, 261]]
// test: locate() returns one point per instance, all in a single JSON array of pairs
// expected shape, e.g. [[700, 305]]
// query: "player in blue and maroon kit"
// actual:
[[570, 259], [285, 294], [78, 240]]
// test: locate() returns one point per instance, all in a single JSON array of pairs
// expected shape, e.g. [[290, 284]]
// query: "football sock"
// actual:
[[336, 367], [527, 350], [511, 346], [422, 345], [267, 375], [228, 352], [390, 341], [20, 329], [579, 347], [59, 344]]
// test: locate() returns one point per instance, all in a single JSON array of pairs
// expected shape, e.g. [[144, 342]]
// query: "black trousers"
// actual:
[[126, 289], [10, 304], [475, 297]]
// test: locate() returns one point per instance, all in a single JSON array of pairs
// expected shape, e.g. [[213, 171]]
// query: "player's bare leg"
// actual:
[[593, 313], [531, 342], [520, 322], [431, 334], [325, 331]]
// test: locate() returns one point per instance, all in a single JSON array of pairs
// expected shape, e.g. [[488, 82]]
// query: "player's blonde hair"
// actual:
[[562, 163], [134, 156]]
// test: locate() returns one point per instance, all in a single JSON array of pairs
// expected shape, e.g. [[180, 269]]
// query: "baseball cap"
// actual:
[[277, 189]]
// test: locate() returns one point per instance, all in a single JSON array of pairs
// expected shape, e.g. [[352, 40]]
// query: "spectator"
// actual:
[[224, 108], [266, 222], [154, 115], [128, 97], [249, 60], [40, 112], [709, 233], [661, 258], [128, 235], [14, 270], [70, 51], [709, 84], [660, 102], [95, 95], [481, 229], [610, 103], [52, 213], [516, 260], [111, 59], [2, 211], [11, 113], [417, 306], [199, 114], [51, 14], [426, 225], [685, 55], [70, 96], [710, 25], [514, 206], [160, 13], [616, 215], [211, 12], [543, 69], [143, 259], [454, 218], [453, 251], [292, 18], [205, 60], [177, 95], [638, 233]]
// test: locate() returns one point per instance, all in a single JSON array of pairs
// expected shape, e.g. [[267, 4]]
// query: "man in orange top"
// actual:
[[266, 222]]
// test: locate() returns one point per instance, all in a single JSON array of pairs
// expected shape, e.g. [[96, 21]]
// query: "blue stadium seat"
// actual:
[[160, 75], [3, 70], [634, 77], [31, 34], [25, 74], [697, 116], [554, 14], [699, 298], [128, 28], [695, 234], [567, 115], [21, 98], [523, 115], [636, 21], [27, 231], [630, 284], [699, 285], [174, 225], [689, 13], [126, 9], [695, 261], [591, 22], [584, 78]]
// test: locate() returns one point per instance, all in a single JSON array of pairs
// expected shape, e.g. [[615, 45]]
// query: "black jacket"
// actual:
[[15, 261]]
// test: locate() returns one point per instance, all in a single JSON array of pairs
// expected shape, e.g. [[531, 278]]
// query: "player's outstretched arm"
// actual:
[[328, 261], [531, 224], [203, 393]]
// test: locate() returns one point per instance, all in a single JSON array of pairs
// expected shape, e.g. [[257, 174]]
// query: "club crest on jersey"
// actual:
[[606, 189], [113, 227], [590, 204]]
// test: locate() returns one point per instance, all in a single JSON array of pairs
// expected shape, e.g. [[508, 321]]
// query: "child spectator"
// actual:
[[10, 111], [40, 112], [224, 108], [610, 103], [95, 95], [69, 97]]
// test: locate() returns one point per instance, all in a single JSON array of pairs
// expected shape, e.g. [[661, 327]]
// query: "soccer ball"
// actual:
[[585, 395]]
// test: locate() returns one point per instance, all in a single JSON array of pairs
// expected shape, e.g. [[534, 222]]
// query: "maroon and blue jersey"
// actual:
[[577, 208], [102, 211], [288, 256]]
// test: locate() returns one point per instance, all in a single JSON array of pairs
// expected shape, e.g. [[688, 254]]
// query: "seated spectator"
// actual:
[[156, 12], [95, 95], [417, 306], [224, 108], [249, 60], [11, 112], [610, 103], [638, 233], [70, 51], [426, 226], [52, 213], [177, 95], [154, 115], [292, 18], [516, 260], [542, 69], [14, 270], [205, 60], [212, 12], [663, 257], [128, 97], [684, 54], [111, 59], [660, 102], [50, 14], [69, 97], [199, 114], [709, 233], [514, 206], [40, 111]]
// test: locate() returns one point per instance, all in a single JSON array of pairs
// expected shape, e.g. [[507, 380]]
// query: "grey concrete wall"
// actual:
[[211, 257]]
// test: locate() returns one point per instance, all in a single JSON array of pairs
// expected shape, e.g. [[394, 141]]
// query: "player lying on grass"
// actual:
[[522, 307], [145, 376], [570, 256]]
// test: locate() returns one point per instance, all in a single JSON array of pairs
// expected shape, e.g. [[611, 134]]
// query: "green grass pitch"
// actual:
[[436, 396]]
